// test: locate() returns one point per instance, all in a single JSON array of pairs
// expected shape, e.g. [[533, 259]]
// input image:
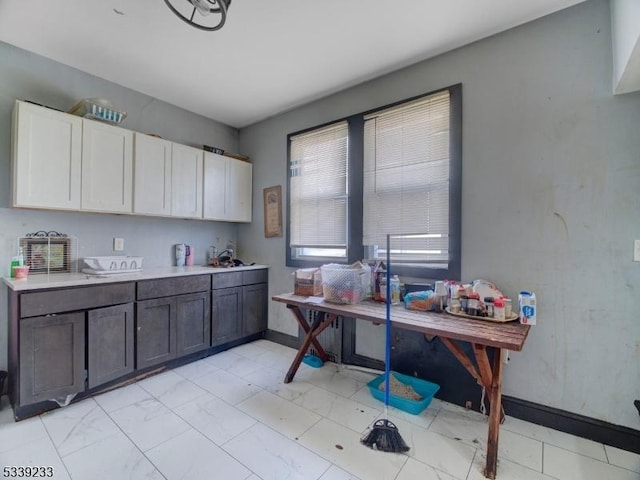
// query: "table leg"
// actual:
[[319, 324], [306, 327], [495, 397]]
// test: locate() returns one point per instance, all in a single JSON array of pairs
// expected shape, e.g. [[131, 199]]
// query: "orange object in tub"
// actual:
[[21, 271]]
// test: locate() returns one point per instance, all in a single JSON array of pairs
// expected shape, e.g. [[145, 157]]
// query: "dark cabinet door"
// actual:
[[52, 357], [226, 315], [110, 343], [254, 303], [193, 323], [155, 331]]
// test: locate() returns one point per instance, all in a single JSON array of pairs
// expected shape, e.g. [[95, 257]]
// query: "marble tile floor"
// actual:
[[230, 417]]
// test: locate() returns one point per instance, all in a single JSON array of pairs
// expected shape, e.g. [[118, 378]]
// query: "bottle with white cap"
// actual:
[[527, 304]]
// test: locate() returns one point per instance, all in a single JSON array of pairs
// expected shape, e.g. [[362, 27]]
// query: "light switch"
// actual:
[[636, 251], [118, 244]]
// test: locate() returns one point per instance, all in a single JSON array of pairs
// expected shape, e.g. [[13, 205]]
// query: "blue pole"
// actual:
[[387, 354]]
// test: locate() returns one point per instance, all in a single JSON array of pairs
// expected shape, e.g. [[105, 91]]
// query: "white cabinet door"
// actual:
[[186, 181], [215, 186], [239, 190], [47, 154], [227, 188], [151, 175], [107, 167]]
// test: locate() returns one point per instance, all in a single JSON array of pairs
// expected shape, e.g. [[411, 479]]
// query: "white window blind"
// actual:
[[406, 180], [318, 188]]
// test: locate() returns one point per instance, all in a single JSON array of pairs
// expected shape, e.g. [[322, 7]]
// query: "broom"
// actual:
[[384, 435]]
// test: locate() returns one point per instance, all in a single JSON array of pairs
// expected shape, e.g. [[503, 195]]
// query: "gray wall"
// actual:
[[551, 198], [27, 76]]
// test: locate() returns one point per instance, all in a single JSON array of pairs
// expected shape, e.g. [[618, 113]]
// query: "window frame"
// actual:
[[355, 165]]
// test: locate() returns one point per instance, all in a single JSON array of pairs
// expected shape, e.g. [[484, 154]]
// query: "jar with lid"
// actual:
[[464, 300], [488, 303], [382, 282], [498, 309], [508, 307], [473, 304]]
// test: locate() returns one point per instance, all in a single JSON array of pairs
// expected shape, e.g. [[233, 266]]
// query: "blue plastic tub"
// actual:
[[426, 389]]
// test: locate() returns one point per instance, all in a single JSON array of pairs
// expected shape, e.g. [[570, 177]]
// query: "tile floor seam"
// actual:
[[556, 443], [54, 446], [471, 466], [135, 445], [296, 440], [226, 441]]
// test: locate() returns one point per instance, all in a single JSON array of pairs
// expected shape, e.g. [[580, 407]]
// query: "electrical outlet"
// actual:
[[636, 251], [118, 244]]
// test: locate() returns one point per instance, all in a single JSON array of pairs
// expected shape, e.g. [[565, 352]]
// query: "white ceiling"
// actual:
[[269, 57]]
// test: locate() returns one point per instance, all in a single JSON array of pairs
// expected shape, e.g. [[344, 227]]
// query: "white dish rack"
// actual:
[[113, 264]]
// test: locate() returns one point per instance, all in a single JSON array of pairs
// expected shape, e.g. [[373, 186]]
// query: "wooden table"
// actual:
[[481, 334]]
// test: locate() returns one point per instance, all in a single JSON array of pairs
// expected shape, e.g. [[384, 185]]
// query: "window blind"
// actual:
[[406, 179], [318, 187]]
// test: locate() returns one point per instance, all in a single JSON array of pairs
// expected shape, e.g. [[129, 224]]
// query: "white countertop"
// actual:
[[57, 280]]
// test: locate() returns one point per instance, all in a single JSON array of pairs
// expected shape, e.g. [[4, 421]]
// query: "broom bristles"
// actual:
[[384, 436]]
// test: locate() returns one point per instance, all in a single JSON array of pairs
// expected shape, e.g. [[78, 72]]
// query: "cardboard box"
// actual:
[[308, 282]]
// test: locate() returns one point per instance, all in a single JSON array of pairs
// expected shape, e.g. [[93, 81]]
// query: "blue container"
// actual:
[[424, 388]]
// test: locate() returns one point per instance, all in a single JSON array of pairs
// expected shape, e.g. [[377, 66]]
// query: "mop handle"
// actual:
[[387, 353]]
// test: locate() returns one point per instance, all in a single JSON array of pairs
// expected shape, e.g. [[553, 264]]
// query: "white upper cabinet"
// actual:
[[186, 181], [239, 190], [215, 181], [47, 155], [107, 168], [227, 188], [151, 175], [65, 162]]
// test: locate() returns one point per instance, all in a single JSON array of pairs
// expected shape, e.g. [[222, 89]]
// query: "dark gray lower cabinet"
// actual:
[[155, 331], [65, 341], [254, 304], [52, 357], [238, 311], [171, 327], [193, 322], [110, 343], [226, 315]]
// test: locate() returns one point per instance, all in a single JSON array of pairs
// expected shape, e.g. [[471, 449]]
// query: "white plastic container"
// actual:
[[345, 283], [114, 263], [527, 303]]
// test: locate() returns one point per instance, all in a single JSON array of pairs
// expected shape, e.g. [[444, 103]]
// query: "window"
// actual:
[[395, 170], [318, 193]]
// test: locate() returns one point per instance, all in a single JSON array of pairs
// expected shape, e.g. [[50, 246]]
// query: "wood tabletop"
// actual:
[[509, 335]]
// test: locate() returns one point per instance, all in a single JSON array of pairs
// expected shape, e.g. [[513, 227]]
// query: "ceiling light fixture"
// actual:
[[188, 9]]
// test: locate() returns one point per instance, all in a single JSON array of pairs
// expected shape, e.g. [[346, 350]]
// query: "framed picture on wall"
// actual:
[[272, 198], [47, 255]]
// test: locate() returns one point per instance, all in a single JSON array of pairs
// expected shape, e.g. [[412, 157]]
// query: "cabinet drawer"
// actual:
[[226, 279], [167, 287], [250, 277], [80, 298]]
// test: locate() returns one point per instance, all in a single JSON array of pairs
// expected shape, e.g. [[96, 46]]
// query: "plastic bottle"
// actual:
[[395, 290], [527, 303], [16, 261]]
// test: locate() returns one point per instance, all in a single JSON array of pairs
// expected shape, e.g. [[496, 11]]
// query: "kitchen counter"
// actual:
[[57, 280]]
